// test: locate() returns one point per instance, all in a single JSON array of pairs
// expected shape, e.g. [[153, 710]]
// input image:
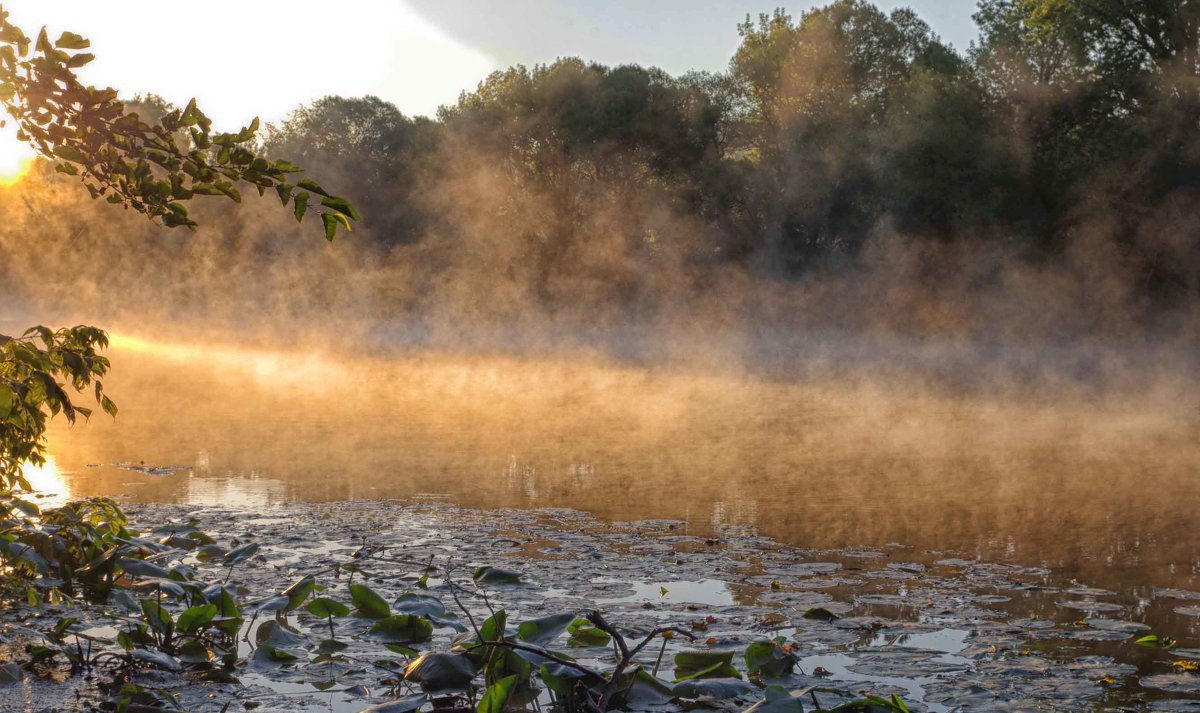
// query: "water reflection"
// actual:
[[1099, 486], [47, 482]]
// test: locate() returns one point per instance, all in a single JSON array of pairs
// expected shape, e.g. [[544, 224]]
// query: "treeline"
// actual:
[[826, 128], [1056, 161]]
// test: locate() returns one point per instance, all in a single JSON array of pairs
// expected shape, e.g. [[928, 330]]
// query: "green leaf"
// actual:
[[298, 592], [768, 658], [272, 653], [310, 185], [205, 189], [582, 633], [704, 664], [324, 607], [193, 619], [8, 400], [341, 205], [157, 617], [493, 627], [496, 697], [1155, 641], [229, 190], [367, 603], [301, 205], [402, 629], [777, 700], [541, 632], [331, 222]]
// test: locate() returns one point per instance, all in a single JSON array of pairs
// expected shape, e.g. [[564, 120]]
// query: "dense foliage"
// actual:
[[902, 184], [154, 169], [826, 129]]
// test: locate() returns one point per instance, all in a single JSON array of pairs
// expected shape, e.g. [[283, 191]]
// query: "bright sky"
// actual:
[[246, 58]]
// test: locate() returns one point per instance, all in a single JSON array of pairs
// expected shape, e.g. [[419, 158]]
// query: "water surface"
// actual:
[[1100, 487]]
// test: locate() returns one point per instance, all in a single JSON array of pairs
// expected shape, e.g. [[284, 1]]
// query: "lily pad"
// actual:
[[777, 699], [402, 629], [704, 664], [543, 631], [368, 603], [440, 672], [716, 688], [496, 575]]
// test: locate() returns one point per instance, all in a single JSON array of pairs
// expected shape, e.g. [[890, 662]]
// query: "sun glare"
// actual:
[[16, 158], [47, 480]]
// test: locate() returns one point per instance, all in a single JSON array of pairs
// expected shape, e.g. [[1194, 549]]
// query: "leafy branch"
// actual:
[[151, 168]]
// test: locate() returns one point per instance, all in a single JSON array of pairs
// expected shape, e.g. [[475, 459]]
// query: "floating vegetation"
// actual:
[[401, 607]]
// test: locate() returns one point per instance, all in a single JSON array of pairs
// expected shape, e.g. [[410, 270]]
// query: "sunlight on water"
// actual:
[[1097, 484], [47, 481], [268, 367]]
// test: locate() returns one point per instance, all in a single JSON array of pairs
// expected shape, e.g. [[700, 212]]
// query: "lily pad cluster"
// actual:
[[414, 607]]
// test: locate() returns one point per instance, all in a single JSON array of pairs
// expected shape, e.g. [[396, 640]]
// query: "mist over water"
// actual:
[[837, 302], [1097, 485]]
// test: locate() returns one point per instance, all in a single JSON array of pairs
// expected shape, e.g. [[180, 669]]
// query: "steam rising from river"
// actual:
[[948, 394]]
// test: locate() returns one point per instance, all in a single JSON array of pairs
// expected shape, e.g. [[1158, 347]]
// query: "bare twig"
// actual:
[[627, 654]]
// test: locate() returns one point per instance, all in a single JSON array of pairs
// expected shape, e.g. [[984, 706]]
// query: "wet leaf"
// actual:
[[717, 688], [496, 575], [408, 704], [402, 629], [272, 633], [196, 617], [768, 658], [331, 646], [1155, 641], [240, 554], [543, 631], [156, 658], [820, 614], [298, 592], [368, 603], [141, 568], [496, 697], [194, 652], [429, 607], [583, 634], [274, 654], [438, 672], [324, 608], [777, 699], [704, 664]]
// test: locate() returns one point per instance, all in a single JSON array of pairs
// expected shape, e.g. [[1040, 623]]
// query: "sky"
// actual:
[[247, 58]]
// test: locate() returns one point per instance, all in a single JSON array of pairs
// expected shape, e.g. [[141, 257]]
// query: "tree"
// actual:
[[375, 152], [151, 166], [576, 142], [814, 91], [1106, 96]]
